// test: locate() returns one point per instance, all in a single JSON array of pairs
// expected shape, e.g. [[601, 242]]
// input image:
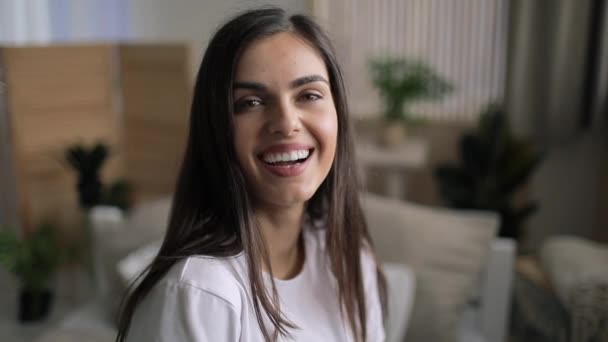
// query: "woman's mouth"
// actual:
[[287, 163], [286, 158]]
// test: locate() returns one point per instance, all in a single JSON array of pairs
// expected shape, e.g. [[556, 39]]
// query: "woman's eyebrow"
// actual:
[[250, 85], [300, 81]]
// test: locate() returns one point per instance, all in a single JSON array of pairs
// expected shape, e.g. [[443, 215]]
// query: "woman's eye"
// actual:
[[252, 103], [247, 104], [311, 97]]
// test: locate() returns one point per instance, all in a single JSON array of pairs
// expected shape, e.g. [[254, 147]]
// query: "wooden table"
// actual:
[[396, 161]]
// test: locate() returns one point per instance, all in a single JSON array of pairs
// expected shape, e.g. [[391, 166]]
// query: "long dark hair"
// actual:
[[211, 212]]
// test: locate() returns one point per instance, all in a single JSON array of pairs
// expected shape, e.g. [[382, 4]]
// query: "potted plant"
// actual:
[[87, 162], [34, 260], [401, 81], [494, 165]]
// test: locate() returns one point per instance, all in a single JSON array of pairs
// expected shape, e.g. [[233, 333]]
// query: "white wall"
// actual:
[[44, 21], [24, 21], [192, 21]]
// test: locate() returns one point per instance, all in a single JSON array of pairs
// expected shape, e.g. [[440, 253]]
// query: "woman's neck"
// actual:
[[281, 231]]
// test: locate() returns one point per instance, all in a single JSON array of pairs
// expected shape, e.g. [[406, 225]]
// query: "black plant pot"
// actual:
[[34, 305]]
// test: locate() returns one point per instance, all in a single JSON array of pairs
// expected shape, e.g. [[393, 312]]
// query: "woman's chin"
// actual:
[[287, 199]]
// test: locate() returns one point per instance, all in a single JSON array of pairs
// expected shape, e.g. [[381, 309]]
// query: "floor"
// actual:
[[11, 330]]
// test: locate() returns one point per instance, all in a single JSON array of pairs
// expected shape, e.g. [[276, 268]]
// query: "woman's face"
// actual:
[[285, 122]]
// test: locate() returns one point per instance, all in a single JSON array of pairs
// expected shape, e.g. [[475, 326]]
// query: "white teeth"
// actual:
[[285, 156]]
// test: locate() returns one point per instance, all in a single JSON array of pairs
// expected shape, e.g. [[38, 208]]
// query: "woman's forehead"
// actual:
[[279, 58]]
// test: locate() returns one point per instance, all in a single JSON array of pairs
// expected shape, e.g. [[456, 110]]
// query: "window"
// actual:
[[464, 40]]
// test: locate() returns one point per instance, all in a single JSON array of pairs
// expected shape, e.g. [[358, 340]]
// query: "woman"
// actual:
[[266, 238]]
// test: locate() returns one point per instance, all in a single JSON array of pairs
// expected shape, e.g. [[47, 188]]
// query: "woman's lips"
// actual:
[[283, 168], [285, 148], [287, 170]]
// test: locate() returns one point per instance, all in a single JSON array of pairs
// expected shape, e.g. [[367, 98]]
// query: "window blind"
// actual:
[[465, 41]]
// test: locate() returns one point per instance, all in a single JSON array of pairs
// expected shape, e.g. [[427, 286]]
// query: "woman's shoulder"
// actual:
[[200, 298], [223, 277]]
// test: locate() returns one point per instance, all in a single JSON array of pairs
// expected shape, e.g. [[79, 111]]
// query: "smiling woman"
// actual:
[[289, 113], [266, 237]]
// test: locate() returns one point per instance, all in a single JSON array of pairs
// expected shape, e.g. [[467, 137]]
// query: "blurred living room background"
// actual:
[[481, 132]]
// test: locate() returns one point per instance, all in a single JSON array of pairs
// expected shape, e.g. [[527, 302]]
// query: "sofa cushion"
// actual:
[[570, 261], [445, 248], [578, 269]]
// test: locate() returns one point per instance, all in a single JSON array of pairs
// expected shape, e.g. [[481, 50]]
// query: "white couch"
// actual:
[[488, 319], [481, 317], [483, 320], [463, 274]]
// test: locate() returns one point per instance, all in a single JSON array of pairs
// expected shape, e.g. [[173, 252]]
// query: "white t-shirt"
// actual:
[[207, 299]]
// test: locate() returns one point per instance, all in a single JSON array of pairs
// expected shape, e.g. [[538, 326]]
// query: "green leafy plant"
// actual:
[[34, 260], [87, 162], [493, 166], [117, 194], [401, 81]]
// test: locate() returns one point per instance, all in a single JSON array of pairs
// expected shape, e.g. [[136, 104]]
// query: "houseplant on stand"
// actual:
[[401, 81], [92, 192], [494, 165], [34, 260]]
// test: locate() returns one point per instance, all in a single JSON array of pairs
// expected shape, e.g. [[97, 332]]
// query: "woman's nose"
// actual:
[[284, 120]]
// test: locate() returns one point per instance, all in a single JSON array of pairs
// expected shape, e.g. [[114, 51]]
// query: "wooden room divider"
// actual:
[[133, 97]]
